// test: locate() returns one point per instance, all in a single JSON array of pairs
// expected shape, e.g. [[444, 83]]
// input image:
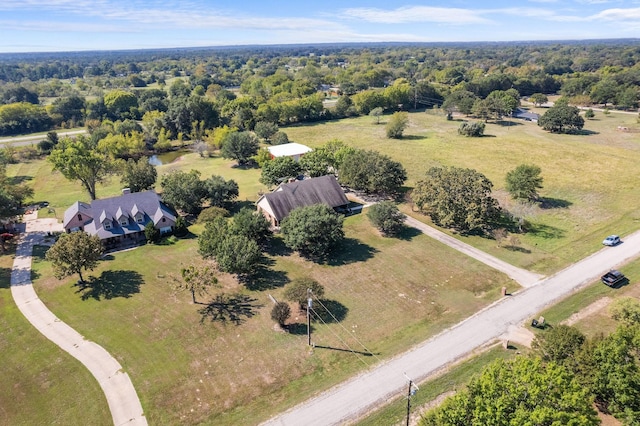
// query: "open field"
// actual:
[[392, 293], [590, 180], [189, 372], [60, 193], [41, 384]]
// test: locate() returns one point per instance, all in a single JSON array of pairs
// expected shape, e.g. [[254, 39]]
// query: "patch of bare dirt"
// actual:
[[596, 306]]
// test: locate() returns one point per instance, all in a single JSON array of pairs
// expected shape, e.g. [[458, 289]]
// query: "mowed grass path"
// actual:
[[41, 384], [392, 294], [590, 180]]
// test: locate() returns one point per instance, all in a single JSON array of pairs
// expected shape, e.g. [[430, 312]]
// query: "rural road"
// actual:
[[122, 398], [34, 139], [357, 396]]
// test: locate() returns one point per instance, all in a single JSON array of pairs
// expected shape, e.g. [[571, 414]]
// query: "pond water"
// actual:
[[167, 157]]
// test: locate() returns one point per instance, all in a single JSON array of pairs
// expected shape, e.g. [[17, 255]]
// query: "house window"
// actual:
[[139, 218], [79, 217], [164, 220], [107, 226], [124, 221]]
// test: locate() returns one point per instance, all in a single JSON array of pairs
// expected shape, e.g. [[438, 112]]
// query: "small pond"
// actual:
[[167, 157]]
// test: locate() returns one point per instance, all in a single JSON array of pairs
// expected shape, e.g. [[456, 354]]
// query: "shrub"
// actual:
[[297, 291], [211, 213], [181, 228], [281, 313], [471, 129], [386, 217], [151, 233]]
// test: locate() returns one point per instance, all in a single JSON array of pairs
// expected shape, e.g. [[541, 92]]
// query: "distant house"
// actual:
[[294, 150], [277, 205], [523, 114], [120, 221]]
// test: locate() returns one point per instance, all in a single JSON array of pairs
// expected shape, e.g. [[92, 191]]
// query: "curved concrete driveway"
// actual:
[[521, 276], [358, 395], [121, 396]]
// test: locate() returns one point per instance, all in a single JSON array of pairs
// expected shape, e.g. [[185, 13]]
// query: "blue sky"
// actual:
[[69, 25]]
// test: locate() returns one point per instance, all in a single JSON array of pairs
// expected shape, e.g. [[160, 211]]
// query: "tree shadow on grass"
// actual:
[[517, 249], [545, 231], [554, 203], [277, 247], [349, 251], [229, 308], [412, 138], [264, 279], [298, 329], [329, 311], [407, 233], [236, 206], [585, 132], [5, 277], [17, 180], [110, 284]]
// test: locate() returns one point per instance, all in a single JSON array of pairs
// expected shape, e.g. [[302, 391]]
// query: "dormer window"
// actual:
[[124, 221], [107, 225], [139, 218]]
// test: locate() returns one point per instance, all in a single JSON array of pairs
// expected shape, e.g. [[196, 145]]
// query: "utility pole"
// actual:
[[410, 392], [309, 303]]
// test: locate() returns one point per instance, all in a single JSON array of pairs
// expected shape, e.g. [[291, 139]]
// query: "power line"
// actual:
[[339, 338], [347, 331]]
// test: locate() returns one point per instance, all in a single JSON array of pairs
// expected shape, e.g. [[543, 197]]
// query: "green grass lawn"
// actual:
[[590, 181], [392, 293], [41, 384], [60, 193]]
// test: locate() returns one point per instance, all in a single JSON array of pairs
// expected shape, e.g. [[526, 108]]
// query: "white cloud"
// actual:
[[617, 15], [416, 14], [529, 12], [67, 27]]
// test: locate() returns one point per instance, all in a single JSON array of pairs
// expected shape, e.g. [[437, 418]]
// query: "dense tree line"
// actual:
[[284, 85]]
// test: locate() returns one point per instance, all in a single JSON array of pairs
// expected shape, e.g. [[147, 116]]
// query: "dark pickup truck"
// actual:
[[612, 278]]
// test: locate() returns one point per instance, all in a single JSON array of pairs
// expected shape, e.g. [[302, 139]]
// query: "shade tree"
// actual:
[[313, 231], [279, 170], [517, 392], [77, 159], [196, 279], [371, 172], [240, 146], [138, 175], [561, 119], [301, 289], [524, 181], [386, 217], [397, 124], [73, 253], [456, 197], [183, 190]]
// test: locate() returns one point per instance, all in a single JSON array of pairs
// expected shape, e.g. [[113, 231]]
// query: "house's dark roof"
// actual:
[[320, 190], [521, 113], [126, 205]]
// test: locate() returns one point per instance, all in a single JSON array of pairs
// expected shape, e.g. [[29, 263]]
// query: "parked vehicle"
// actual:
[[611, 240], [613, 278]]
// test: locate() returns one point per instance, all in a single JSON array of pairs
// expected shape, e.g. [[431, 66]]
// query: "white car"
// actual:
[[611, 240]]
